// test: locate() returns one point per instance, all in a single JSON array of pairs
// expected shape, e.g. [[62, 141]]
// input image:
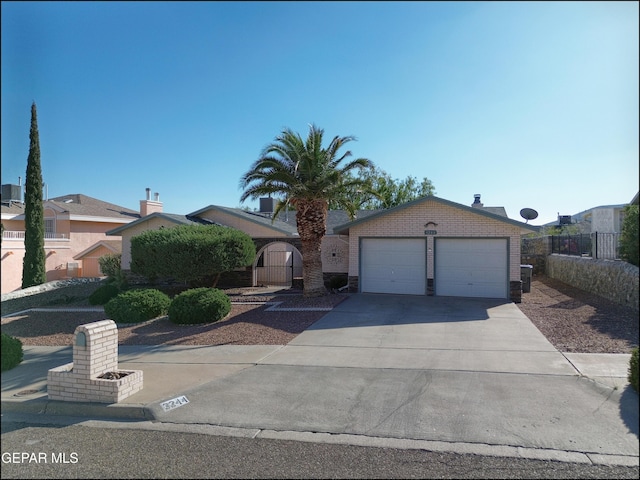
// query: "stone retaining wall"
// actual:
[[612, 279], [58, 292]]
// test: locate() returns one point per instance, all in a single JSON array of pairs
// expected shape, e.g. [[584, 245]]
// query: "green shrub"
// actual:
[[199, 305], [190, 253], [633, 369], [11, 352], [629, 238], [110, 264], [103, 294], [134, 306]]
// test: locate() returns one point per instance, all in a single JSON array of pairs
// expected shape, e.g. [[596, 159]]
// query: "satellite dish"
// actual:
[[528, 214]]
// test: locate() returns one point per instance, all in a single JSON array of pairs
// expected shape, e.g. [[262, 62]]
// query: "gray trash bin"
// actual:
[[526, 272]]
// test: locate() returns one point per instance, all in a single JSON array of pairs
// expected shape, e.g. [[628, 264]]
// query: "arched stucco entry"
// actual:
[[277, 262]]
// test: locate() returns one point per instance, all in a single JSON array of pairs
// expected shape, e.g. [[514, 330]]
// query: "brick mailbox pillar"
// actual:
[[93, 376]]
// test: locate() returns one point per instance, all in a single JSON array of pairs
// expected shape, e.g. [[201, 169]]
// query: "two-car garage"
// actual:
[[463, 267], [432, 246]]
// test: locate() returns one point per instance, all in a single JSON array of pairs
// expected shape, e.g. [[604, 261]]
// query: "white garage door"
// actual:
[[393, 265], [466, 267]]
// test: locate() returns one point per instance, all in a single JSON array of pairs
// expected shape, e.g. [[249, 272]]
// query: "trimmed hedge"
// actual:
[[103, 294], [190, 253], [199, 305], [140, 305], [633, 369], [11, 352]]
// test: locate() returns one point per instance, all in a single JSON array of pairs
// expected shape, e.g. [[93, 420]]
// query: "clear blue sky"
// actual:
[[528, 104]]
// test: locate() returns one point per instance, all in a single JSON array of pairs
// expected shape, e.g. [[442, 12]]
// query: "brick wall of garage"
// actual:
[[451, 222], [335, 254]]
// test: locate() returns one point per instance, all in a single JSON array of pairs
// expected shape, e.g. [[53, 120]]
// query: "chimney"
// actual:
[[148, 206], [476, 201]]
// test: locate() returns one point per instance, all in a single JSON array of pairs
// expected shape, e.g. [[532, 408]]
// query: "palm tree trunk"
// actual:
[[311, 217]]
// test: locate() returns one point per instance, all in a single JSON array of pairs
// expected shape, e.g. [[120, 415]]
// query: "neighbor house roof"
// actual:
[[171, 217], [344, 228], [334, 218], [77, 204], [263, 219], [495, 210], [77, 207], [114, 245], [12, 210]]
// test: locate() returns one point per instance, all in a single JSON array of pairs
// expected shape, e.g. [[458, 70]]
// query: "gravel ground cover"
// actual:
[[577, 321], [571, 319], [251, 321]]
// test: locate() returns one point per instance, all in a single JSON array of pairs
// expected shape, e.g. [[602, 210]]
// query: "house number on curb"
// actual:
[[174, 403]]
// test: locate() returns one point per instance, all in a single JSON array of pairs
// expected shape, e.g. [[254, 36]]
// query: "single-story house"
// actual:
[[429, 246]]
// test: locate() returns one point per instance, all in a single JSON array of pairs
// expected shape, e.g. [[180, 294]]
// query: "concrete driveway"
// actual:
[[455, 370]]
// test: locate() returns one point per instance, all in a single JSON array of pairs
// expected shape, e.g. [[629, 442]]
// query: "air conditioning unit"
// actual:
[[11, 193], [73, 269], [267, 205]]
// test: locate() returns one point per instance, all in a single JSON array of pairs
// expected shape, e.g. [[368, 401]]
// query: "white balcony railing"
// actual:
[[14, 235]]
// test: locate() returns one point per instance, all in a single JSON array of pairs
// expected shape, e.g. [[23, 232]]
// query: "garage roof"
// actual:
[[344, 228]]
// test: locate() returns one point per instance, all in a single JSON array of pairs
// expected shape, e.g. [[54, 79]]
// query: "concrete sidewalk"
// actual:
[[468, 375]]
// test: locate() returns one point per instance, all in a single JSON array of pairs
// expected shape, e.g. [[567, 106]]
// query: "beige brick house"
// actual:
[[430, 246]]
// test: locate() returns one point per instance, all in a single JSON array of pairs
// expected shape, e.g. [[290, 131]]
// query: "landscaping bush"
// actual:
[[110, 264], [134, 306], [629, 238], [199, 305], [11, 352], [103, 294], [633, 369], [190, 253]]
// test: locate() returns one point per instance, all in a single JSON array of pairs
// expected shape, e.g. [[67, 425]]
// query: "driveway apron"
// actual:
[[424, 368]]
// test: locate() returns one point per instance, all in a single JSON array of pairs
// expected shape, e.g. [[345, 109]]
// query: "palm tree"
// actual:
[[307, 176]]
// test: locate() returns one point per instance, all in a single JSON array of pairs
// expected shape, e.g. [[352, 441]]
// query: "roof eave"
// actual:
[[344, 229], [118, 230], [230, 211]]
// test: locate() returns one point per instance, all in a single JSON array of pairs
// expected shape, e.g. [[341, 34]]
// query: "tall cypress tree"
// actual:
[[33, 267]]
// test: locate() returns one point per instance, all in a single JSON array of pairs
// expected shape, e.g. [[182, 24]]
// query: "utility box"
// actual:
[[526, 272]]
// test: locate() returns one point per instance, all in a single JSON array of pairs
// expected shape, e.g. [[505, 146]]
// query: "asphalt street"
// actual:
[[98, 449]]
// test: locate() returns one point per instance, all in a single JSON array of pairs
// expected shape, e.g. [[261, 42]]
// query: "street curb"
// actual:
[[44, 406]]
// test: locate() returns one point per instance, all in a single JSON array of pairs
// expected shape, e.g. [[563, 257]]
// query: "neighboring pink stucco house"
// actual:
[[75, 237]]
